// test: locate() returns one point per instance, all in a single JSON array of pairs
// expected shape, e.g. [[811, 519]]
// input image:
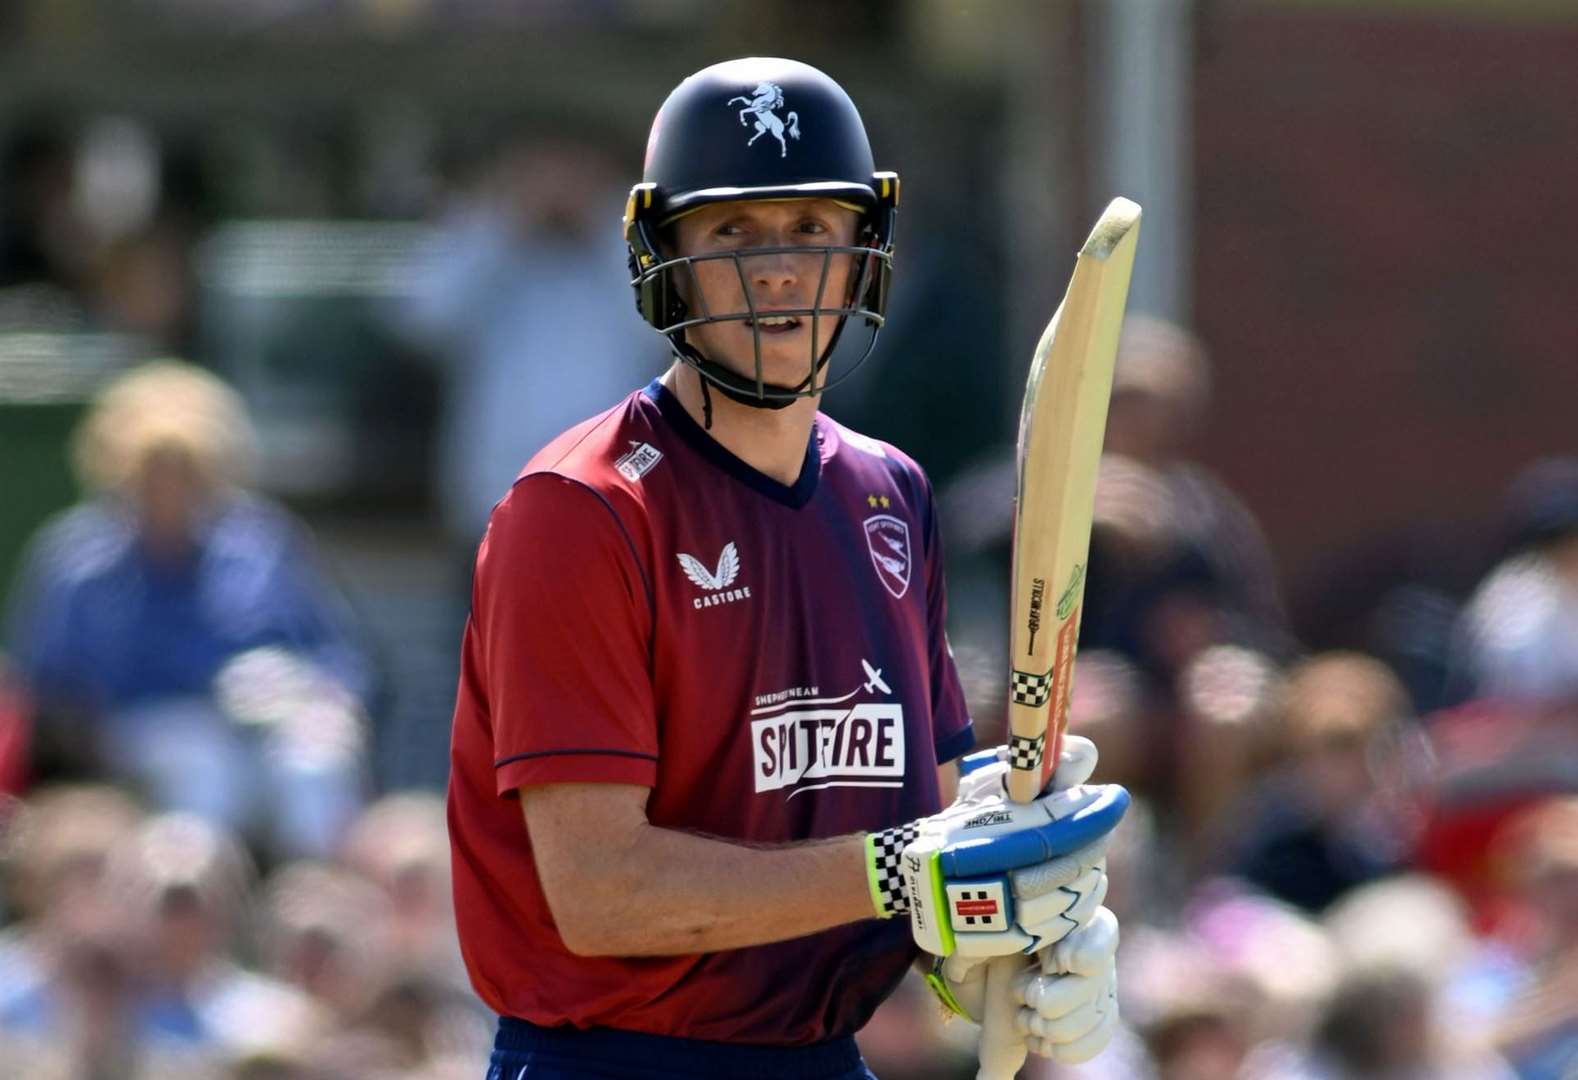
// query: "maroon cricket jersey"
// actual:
[[770, 660]]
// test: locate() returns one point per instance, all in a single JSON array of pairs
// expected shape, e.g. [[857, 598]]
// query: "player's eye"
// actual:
[[812, 228], [728, 228]]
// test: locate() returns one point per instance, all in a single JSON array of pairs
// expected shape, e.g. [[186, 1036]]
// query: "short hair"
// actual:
[[1344, 697], [58, 829], [1162, 360], [162, 406], [1541, 840]]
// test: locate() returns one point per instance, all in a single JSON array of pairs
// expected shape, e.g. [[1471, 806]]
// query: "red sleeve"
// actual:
[[952, 731], [563, 618]]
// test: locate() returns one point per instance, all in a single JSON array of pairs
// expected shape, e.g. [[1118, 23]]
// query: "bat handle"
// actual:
[[1002, 1048]]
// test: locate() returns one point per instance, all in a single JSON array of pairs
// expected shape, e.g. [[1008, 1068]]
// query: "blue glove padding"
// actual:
[[992, 877], [1092, 817]]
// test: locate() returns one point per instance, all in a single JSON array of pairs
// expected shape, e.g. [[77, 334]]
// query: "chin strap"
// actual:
[[734, 387]]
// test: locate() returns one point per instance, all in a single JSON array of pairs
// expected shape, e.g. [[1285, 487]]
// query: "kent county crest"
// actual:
[[763, 106], [888, 540]]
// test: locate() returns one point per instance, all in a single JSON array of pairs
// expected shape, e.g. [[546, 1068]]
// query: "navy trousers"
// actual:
[[524, 1051]]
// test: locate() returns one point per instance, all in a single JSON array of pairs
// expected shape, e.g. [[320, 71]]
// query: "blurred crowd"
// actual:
[[1341, 863]]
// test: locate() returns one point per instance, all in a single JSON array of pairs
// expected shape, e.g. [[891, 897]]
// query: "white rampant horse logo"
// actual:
[[767, 98]]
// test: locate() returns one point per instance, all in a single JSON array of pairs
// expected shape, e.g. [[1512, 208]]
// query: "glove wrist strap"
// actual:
[[883, 851]]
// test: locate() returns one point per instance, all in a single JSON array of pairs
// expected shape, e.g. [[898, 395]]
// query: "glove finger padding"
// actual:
[[1075, 765], [1090, 950], [1053, 997], [1052, 918], [1065, 1029], [1071, 1006], [1086, 1046], [1054, 874]]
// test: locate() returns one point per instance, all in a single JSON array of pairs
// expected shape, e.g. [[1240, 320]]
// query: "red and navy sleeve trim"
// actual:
[[957, 744], [499, 764]]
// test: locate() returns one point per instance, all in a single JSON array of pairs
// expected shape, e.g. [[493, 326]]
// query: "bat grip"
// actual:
[[1002, 1048]]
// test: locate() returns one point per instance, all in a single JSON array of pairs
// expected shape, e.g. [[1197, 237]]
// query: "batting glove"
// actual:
[[989, 877], [1067, 1001], [985, 772]]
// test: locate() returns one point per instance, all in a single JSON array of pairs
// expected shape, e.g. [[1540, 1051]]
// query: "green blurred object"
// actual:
[[37, 474], [46, 382]]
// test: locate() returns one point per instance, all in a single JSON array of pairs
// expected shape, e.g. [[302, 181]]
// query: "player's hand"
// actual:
[[1070, 1004], [1065, 1001], [985, 772], [990, 877]]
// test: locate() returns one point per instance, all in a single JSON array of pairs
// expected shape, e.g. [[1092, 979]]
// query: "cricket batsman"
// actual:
[[705, 803]]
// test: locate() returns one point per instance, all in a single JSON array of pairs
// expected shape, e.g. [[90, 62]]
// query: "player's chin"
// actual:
[[785, 355]]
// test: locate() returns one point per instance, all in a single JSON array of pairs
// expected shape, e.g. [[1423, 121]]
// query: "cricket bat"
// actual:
[[1060, 433]]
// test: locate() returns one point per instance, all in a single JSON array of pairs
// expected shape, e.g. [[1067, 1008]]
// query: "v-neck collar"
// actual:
[[793, 495]]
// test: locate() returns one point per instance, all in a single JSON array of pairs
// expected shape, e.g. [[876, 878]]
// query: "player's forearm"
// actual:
[[673, 893]]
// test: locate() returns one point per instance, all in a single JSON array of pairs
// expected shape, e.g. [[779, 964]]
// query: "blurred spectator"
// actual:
[[330, 933], [323, 932], [175, 629], [184, 886], [525, 297], [1108, 707], [1381, 1024], [72, 1001], [1540, 1031], [144, 286], [43, 240], [1519, 634], [57, 849], [1151, 592], [1161, 397], [1197, 1016], [1286, 959], [401, 844], [1229, 701], [1339, 813]]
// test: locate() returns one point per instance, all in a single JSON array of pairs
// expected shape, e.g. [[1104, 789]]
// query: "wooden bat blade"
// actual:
[[1060, 434]]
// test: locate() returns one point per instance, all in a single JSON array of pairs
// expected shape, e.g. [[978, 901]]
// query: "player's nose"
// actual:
[[778, 270]]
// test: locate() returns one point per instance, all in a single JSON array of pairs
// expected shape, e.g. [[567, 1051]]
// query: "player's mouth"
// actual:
[[775, 324]]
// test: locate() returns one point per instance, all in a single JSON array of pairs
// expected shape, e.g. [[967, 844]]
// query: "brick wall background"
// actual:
[[1387, 274]]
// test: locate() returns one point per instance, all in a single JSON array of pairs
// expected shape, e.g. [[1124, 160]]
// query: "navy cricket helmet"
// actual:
[[762, 128]]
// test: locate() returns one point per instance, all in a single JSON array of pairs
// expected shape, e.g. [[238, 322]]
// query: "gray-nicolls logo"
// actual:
[[763, 104]]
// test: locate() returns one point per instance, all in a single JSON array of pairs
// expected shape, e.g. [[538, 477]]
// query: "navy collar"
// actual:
[[793, 496]]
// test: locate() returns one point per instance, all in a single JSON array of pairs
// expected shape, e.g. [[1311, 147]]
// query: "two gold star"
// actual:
[[877, 500]]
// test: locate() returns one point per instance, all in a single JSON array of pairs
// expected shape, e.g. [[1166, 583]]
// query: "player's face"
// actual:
[[777, 282]]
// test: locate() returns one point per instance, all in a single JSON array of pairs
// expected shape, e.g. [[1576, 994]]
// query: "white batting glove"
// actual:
[[1065, 1002], [985, 772], [990, 877], [1070, 1005], [959, 980]]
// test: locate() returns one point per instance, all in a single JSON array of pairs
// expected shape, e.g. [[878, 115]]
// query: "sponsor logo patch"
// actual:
[[715, 582], [638, 461], [804, 744]]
